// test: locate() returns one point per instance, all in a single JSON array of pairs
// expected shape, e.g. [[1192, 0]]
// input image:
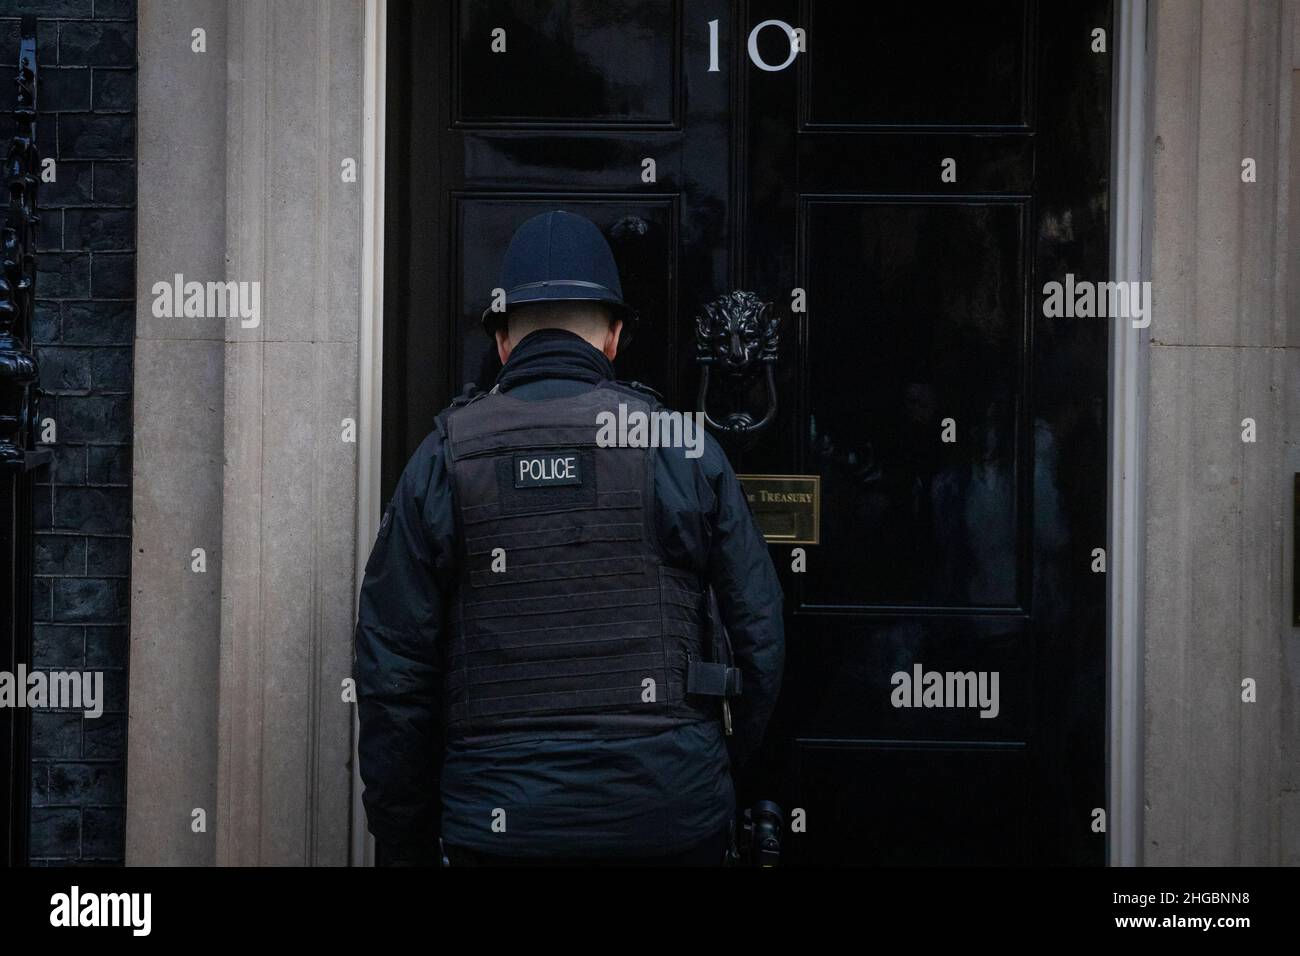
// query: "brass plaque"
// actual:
[[788, 508]]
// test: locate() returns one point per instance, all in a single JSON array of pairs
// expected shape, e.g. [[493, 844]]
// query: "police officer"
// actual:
[[543, 672]]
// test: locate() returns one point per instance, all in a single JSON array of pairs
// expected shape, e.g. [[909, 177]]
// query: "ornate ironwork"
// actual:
[[20, 460], [737, 335], [18, 371]]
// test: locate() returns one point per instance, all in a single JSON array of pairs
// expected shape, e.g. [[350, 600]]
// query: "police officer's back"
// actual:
[[535, 625]]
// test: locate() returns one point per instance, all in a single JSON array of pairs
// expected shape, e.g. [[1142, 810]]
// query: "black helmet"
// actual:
[[559, 257]]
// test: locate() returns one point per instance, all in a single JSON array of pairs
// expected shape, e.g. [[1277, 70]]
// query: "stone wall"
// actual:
[[83, 337]]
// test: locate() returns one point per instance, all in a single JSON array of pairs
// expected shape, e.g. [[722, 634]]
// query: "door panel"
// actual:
[[895, 358], [914, 821], [916, 64], [566, 63], [966, 556]]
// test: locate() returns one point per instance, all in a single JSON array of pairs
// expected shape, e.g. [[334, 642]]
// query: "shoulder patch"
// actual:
[[538, 469]]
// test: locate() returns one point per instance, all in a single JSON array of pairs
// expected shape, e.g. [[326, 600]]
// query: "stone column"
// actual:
[[177, 454], [1221, 774], [273, 649], [293, 117]]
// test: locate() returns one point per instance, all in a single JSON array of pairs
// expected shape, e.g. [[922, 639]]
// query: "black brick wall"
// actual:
[[84, 329]]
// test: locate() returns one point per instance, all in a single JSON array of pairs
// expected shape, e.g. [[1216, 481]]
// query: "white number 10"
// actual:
[[796, 45]]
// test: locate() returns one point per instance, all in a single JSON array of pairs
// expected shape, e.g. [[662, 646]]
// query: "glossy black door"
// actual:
[[922, 322]]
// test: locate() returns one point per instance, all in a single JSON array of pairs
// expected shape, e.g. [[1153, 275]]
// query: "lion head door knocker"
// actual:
[[736, 344]]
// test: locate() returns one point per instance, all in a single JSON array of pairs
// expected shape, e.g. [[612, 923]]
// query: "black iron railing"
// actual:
[[20, 459]]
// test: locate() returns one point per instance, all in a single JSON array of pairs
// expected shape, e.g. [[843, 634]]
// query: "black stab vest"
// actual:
[[581, 629]]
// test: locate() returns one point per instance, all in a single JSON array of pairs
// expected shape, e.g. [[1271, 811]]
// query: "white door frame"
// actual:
[[1128, 376], [371, 350], [1129, 242]]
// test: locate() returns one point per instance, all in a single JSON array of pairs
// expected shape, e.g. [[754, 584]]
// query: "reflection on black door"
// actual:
[[912, 176]]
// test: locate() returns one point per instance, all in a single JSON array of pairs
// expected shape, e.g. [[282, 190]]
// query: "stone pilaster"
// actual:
[[1221, 785], [276, 637]]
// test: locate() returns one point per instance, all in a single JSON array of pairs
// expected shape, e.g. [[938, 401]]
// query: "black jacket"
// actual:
[[636, 796]]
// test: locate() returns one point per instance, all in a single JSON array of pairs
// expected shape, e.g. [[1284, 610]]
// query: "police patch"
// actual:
[[547, 469]]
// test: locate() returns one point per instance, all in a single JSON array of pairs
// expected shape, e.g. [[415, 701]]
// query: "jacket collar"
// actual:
[[554, 353]]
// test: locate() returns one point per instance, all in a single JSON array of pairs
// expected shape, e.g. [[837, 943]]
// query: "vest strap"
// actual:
[[712, 680]]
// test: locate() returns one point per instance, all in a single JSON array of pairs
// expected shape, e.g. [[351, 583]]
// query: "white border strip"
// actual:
[[371, 342], [1128, 377]]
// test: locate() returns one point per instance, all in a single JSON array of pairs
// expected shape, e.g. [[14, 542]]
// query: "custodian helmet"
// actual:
[[559, 257]]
